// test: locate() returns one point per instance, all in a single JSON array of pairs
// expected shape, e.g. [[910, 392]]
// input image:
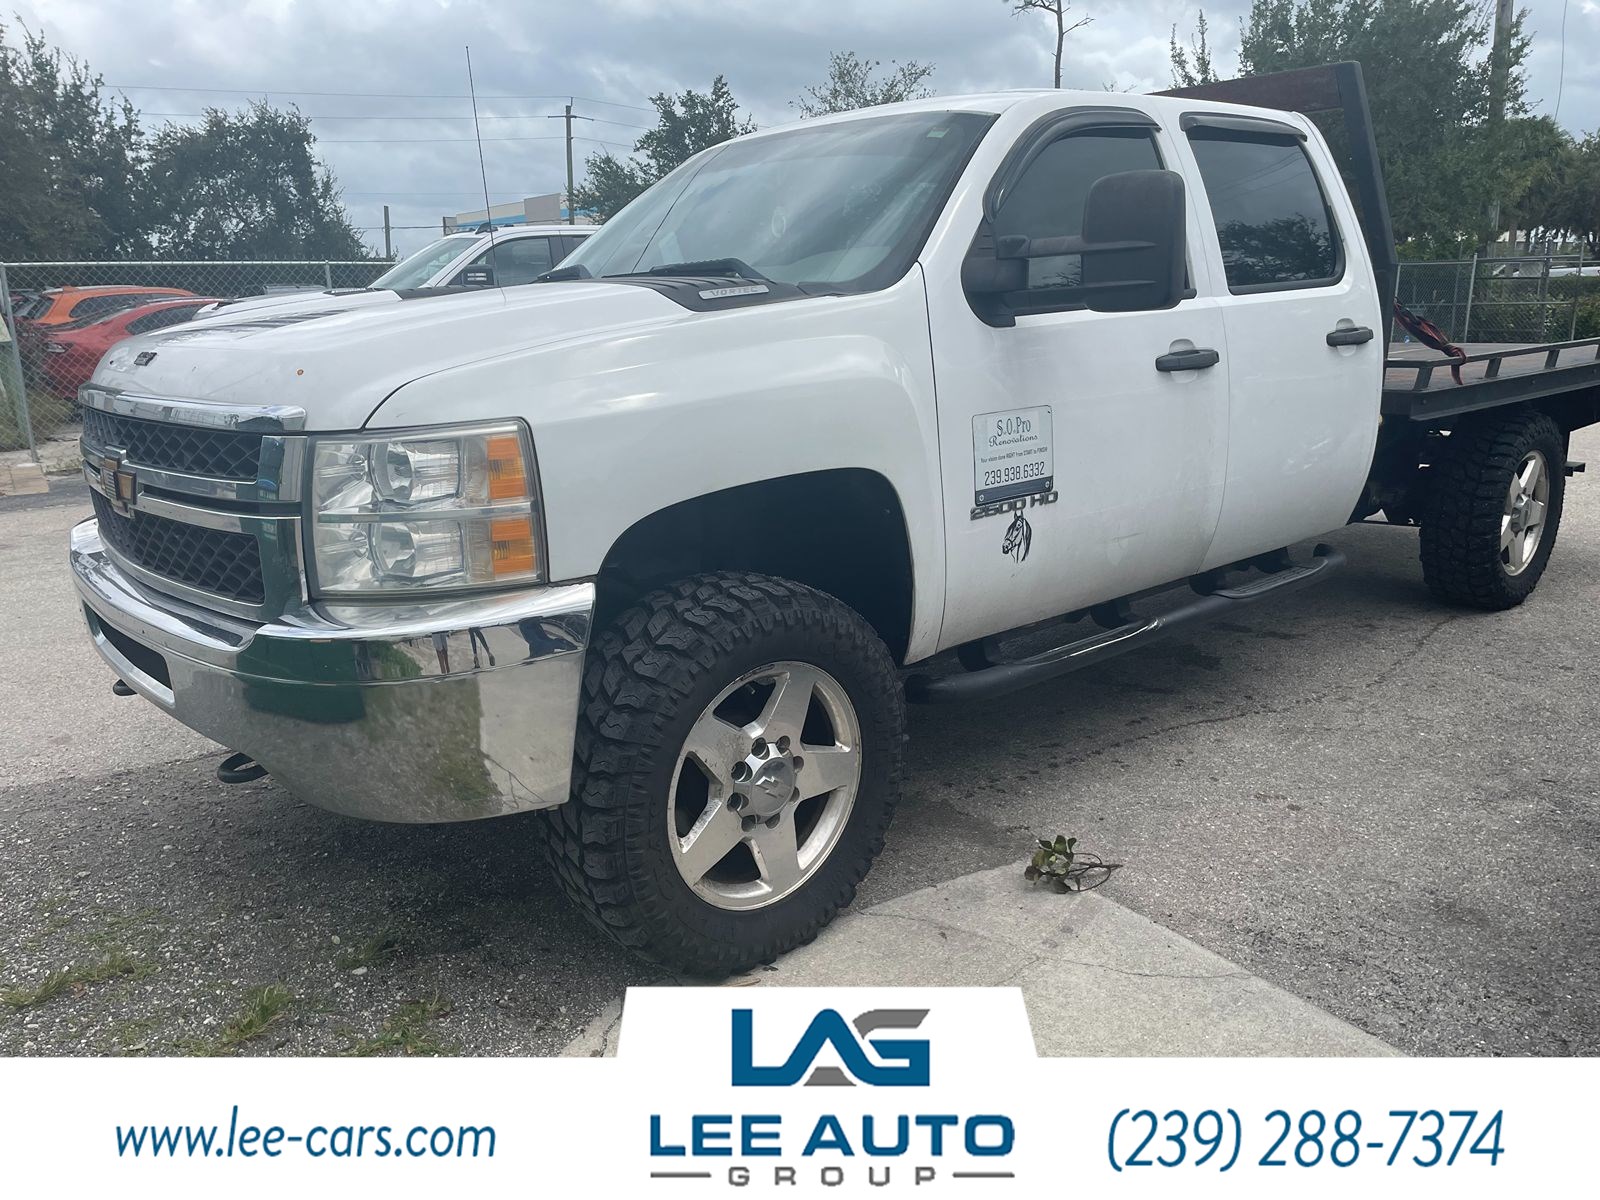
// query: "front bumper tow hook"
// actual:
[[240, 768]]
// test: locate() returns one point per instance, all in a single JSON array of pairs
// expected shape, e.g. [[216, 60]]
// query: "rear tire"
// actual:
[[677, 740], [1493, 510]]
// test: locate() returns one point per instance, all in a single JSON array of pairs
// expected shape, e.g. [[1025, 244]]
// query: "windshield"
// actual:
[[31, 307], [839, 207], [422, 266]]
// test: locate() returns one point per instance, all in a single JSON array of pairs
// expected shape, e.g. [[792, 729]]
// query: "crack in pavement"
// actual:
[[1417, 647], [1316, 698]]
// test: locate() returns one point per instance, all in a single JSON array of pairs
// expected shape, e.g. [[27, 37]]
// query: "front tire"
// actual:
[[1493, 510], [738, 761]]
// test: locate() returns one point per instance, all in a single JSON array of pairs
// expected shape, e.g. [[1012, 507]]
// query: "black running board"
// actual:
[[1074, 656]]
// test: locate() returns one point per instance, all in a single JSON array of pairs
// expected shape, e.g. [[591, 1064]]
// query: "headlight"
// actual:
[[428, 509]]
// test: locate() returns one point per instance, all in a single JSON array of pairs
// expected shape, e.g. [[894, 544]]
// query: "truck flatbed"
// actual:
[[1418, 385]]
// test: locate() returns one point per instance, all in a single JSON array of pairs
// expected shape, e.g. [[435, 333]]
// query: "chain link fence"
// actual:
[[1548, 298], [60, 317], [53, 335]]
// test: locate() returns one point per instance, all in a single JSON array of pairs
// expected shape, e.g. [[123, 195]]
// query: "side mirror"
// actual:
[[1132, 245], [476, 277]]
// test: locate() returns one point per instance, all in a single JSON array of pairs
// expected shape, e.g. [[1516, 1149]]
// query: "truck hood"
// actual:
[[254, 306], [340, 362]]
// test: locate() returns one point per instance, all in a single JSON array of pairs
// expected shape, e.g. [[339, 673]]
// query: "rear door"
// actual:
[[1304, 330], [1075, 470]]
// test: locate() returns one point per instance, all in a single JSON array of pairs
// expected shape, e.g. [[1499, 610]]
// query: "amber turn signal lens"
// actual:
[[508, 474], [511, 546]]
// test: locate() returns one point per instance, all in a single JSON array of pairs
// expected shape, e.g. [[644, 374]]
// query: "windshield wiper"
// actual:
[[737, 268]]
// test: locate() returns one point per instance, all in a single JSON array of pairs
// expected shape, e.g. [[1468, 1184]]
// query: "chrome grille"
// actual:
[[170, 447], [213, 560], [199, 499]]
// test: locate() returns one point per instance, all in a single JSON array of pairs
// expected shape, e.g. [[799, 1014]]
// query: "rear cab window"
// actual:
[[105, 305], [1272, 218]]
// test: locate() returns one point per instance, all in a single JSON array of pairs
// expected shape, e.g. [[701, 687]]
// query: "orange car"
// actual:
[[57, 306]]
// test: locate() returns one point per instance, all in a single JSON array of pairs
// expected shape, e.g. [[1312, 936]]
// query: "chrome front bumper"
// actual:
[[438, 711]]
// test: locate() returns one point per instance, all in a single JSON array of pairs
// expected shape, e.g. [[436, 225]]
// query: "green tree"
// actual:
[[1192, 66], [246, 185], [1557, 193], [1427, 71], [853, 83], [686, 124], [70, 183]]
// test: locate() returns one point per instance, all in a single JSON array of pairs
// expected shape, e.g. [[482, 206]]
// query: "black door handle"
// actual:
[[1188, 360], [1350, 337]]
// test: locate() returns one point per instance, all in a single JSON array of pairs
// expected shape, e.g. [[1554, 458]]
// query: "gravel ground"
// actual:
[[1389, 808]]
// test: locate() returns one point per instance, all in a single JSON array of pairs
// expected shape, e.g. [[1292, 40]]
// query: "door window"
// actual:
[[1271, 216], [519, 260], [1048, 201]]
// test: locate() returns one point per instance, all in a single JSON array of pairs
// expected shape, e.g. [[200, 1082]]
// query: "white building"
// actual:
[[549, 209]]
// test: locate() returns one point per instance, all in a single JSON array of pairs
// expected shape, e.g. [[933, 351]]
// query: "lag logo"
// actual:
[[901, 1062]]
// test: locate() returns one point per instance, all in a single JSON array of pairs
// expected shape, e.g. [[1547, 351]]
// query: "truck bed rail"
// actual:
[[1417, 384]]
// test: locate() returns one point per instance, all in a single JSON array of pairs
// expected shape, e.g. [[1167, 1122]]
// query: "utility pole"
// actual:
[[566, 116], [572, 217], [388, 246], [1505, 16], [1500, 59]]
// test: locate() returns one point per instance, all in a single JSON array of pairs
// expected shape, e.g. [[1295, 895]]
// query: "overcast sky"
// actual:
[[412, 147]]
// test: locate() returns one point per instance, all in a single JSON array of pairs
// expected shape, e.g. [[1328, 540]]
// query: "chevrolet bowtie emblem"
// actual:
[[117, 482]]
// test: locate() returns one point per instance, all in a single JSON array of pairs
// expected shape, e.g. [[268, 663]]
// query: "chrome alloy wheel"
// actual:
[[764, 785], [1522, 525]]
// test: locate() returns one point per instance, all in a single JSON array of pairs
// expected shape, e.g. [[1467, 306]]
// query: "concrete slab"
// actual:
[[53, 456], [22, 479], [1098, 979]]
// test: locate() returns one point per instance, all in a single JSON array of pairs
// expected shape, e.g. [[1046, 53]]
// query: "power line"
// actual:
[[549, 137], [467, 192], [402, 117], [151, 87], [614, 104], [624, 124]]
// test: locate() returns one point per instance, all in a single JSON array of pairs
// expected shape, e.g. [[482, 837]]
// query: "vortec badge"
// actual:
[[117, 482], [144, 358]]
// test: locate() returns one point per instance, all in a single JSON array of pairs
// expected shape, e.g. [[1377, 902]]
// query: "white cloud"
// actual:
[[620, 52]]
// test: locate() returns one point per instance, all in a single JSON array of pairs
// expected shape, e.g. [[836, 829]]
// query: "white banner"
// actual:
[[790, 1092]]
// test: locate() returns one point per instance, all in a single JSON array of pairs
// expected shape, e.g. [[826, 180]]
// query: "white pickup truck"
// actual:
[[503, 257], [660, 546]]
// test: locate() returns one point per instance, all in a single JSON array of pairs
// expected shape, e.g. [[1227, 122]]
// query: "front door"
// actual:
[[1075, 471]]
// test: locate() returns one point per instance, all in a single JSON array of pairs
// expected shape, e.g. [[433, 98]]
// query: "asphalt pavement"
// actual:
[[1382, 807]]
